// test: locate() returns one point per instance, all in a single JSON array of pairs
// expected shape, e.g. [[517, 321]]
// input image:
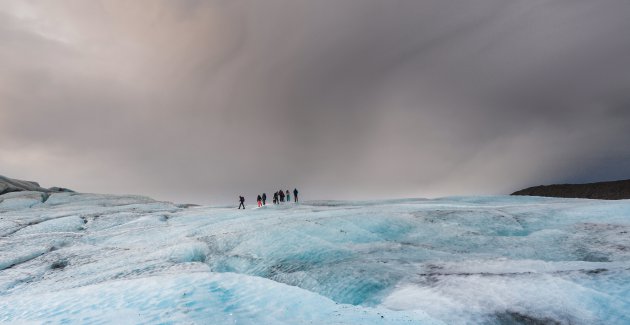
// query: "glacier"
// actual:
[[91, 258]]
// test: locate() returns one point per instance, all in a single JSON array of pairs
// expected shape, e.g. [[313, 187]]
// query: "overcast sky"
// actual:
[[199, 101]]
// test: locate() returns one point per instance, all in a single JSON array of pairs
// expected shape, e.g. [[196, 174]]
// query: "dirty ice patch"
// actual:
[[532, 298]]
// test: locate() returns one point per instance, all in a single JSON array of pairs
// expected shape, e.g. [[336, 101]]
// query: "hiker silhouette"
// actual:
[[242, 200]]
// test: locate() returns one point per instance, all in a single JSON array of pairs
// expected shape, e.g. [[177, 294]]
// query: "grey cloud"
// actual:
[[201, 100]]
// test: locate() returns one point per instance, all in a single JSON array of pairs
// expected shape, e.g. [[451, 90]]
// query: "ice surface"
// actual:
[[88, 258]]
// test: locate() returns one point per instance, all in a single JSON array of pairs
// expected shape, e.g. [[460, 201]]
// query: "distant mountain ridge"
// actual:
[[8, 185], [614, 190]]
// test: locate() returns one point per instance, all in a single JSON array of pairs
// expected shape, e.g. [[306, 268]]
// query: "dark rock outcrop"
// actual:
[[8, 185], [616, 190]]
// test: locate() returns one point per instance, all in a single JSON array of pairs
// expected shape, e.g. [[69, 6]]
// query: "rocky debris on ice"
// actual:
[[616, 190], [8, 185]]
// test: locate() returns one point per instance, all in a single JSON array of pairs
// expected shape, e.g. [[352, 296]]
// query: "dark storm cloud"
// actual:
[[202, 100]]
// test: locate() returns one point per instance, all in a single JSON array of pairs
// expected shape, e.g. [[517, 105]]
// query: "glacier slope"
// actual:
[[81, 258]]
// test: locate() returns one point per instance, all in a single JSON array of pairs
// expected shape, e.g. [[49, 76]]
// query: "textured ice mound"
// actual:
[[86, 258]]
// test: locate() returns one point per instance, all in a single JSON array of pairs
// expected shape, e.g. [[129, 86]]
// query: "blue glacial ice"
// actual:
[[88, 258]]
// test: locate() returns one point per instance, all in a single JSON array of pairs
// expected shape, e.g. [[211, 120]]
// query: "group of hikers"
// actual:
[[278, 197]]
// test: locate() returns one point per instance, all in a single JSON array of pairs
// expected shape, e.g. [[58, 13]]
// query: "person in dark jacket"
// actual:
[[259, 200], [295, 194], [242, 200], [275, 198], [281, 193], [264, 199]]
